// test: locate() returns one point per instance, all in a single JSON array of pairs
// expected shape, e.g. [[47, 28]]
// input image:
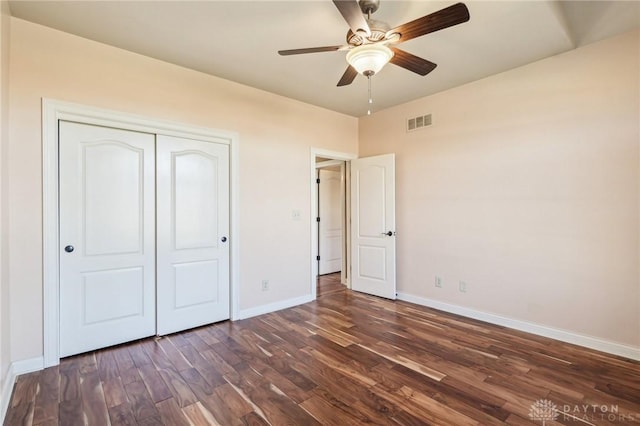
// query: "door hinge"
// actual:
[[318, 180], [317, 257], [317, 219]]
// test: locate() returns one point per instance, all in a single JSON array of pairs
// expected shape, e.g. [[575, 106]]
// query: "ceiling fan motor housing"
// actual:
[[378, 29]]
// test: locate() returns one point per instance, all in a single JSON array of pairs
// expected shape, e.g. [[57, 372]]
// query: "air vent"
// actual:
[[419, 122]]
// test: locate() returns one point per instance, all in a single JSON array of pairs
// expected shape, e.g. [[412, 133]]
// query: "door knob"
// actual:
[[389, 234], [223, 239], [68, 249]]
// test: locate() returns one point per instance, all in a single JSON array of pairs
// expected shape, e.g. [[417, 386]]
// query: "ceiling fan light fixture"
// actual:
[[369, 58]]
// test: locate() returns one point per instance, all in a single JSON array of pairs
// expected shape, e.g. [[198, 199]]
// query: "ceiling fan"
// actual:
[[370, 42]]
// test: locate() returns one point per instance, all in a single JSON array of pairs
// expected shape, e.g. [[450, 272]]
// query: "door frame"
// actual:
[[332, 155], [52, 112]]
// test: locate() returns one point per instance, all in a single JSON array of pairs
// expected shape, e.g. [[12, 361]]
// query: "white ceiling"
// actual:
[[239, 40]]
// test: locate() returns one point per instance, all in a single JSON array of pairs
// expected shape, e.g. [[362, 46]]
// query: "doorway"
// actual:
[[337, 164], [369, 232]]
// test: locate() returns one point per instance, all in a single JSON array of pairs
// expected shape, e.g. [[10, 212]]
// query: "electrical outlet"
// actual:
[[438, 282], [265, 285], [463, 287], [295, 215]]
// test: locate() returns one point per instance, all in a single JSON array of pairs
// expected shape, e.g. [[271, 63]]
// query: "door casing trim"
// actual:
[[52, 112]]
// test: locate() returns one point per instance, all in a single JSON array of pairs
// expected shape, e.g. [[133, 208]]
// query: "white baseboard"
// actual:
[[272, 307], [529, 327], [7, 388], [15, 369]]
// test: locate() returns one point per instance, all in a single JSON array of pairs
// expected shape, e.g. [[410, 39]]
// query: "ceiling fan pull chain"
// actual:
[[370, 98]]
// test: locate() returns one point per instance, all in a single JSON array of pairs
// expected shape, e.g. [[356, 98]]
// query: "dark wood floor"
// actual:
[[345, 359]]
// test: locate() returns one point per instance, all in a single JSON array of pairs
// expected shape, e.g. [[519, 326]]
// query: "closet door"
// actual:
[[107, 237], [192, 233]]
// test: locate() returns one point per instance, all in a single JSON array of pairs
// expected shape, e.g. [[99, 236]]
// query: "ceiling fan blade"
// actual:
[[411, 62], [348, 76], [309, 50], [351, 13], [445, 18]]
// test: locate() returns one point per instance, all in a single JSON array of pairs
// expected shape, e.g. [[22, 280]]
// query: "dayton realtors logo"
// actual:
[[545, 410]]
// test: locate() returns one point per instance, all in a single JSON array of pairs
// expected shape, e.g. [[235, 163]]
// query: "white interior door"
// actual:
[[107, 234], [330, 226], [193, 233], [373, 241]]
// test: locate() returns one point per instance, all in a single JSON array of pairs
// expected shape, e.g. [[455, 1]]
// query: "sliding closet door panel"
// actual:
[[192, 233], [107, 237]]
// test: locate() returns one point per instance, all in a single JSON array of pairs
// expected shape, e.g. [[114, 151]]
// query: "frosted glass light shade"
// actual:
[[369, 57]]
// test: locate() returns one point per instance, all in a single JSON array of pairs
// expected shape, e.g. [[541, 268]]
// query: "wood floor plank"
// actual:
[[130, 375], [178, 339], [201, 364], [107, 367], [26, 389], [194, 339], [156, 354], [69, 384], [71, 413], [151, 421], [155, 384], [46, 401], [142, 405], [198, 415], [114, 393], [178, 387], [138, 355], [123, 358], [345, 359], [277, 408], [171, 414], [216, 362], [328, 414], [94, 404], [237, 405], [226, 354], [218, 408], [253, 419], [205, 336], [20, 414], [173, 353], [198, 384], [122, 415]]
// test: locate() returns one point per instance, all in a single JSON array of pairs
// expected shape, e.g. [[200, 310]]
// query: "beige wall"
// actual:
[[526, 187], [5, 356], [276, 134]]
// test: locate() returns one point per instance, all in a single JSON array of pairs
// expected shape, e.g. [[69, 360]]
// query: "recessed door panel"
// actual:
[[112, 206], [370, 184], [195, 200], [107, 236], [113, 295], [192, 283], [371, 263]]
